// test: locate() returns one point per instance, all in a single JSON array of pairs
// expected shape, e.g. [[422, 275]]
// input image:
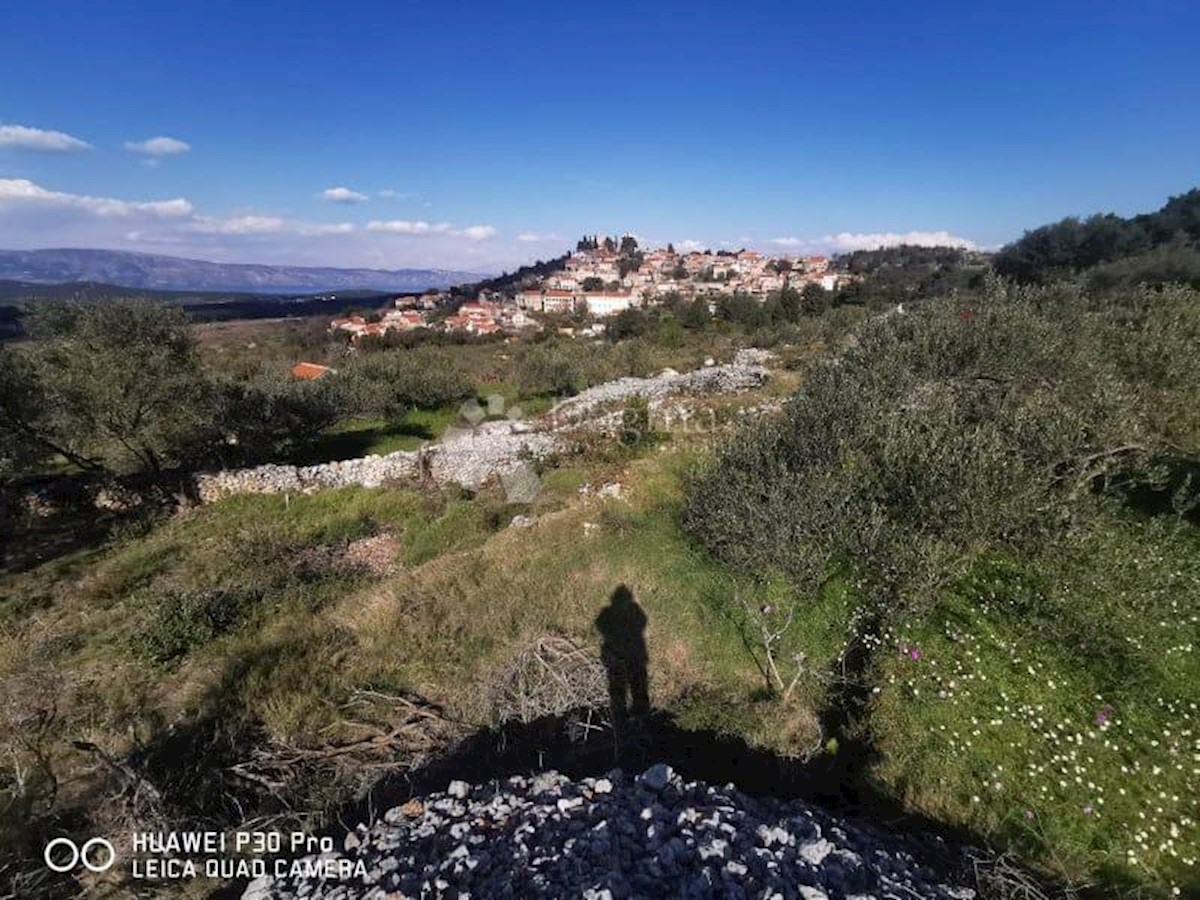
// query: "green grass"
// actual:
[[1056, 712]]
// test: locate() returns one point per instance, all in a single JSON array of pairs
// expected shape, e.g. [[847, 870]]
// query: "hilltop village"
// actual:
[[602, 277]]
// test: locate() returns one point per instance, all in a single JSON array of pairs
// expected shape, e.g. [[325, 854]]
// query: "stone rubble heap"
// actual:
[[616, 837]]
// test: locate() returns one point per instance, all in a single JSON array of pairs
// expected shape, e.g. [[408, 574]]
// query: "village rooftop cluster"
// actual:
[[601, 278]]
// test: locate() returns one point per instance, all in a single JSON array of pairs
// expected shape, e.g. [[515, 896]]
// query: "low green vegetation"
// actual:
[[1052, 708]]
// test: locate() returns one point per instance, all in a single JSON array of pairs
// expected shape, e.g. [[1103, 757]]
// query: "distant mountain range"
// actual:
[[151, 271]]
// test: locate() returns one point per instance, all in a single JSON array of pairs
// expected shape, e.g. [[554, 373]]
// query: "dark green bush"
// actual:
[[635, 423], [950, 430], [390, 383], [270, 412], [187, 619], [560, 367]]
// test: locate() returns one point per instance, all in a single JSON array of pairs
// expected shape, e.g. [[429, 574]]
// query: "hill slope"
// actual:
[[1161, 246], [144, 270]]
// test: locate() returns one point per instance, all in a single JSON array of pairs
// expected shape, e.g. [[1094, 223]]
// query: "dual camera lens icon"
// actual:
[[63, 855]]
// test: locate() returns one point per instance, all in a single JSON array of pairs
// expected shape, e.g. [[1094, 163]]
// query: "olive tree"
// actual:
[[391, 383], [121, 384], [22, 409], [943, 432]]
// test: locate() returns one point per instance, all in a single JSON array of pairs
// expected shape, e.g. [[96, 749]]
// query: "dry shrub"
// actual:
[[551, 676]]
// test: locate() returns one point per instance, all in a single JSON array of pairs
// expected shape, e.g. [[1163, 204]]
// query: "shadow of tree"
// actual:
[[1176, 478]]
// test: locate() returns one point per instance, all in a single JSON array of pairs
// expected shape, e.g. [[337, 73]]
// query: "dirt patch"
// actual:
[[377, 555]]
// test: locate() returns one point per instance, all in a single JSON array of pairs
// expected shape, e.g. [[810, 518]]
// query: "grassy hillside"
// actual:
[[268, 658], [1048, 711]]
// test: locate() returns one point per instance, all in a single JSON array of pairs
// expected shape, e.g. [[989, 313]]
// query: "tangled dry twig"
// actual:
[[399, 733], [1001, 878], [551, 676]]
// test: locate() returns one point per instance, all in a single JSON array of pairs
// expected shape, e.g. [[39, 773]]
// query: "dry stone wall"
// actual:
[[470, 457]]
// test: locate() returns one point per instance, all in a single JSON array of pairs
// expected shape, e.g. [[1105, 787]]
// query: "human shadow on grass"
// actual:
[[622, 627]]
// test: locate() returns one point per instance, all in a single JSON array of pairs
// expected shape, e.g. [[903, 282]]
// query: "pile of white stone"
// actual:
[[368, 471], [618, 837]]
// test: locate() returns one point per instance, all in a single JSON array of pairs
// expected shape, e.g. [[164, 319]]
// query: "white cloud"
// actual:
[[391, 194], [789, 242], [532, 237], [689, 246], [22, 192], [322, 230], [846, 242], [342, 195], [33, 216], [478, 232], [158, 146], [404, 226], [419, 227], [239, 225], [22, 137]]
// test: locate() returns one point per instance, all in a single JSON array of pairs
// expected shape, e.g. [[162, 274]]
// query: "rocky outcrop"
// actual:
[[615, 837]]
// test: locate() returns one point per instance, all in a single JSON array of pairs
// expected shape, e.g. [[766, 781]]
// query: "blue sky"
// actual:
[[479, 135]]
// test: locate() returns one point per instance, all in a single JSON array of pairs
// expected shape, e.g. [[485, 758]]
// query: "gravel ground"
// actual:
[[619, 837]]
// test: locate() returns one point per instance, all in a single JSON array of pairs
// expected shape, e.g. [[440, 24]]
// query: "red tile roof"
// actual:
[[309, 371]]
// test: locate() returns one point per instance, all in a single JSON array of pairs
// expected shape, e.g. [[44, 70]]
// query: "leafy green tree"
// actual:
[[593, 283], [791, 305], [742, 310], [629, 245], [694, 314], [391, 383], [814, 299], [627, 323], [1073, 245], [557, 367], [269, 413], [122, 384], [943, 433], [25, 439]]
